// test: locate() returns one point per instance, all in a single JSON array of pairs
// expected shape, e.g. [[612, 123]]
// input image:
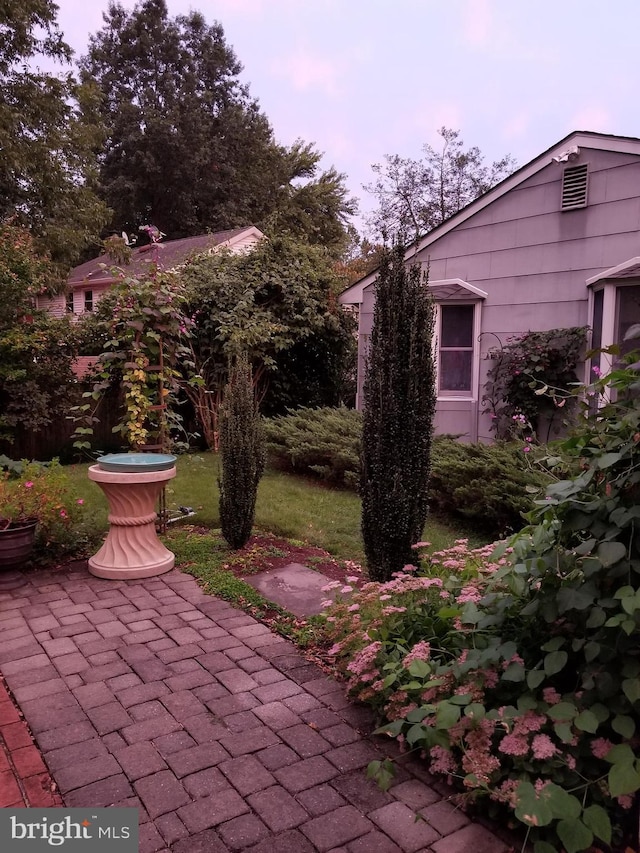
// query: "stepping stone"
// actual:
[[294, 587]]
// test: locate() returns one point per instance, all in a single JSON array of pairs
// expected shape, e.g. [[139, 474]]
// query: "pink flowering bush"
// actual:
[[516, 673], [44, 493]]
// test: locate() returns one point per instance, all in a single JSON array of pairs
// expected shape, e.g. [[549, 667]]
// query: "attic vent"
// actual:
[[574, 187]]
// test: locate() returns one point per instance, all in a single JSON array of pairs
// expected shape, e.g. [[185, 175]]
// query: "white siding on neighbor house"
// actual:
[[244, 244], [55, 305], [533, 259]]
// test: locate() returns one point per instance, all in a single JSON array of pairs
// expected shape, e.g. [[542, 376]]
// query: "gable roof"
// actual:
[[170, 254], [581, 138]]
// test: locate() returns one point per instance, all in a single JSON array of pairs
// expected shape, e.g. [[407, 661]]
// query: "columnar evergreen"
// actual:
[[399, 405], [242, 455]]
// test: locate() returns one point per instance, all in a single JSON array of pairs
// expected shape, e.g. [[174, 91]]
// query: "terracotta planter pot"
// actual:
[[16, 543]]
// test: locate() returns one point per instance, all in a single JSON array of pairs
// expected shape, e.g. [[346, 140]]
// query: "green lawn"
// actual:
[[289, 506]]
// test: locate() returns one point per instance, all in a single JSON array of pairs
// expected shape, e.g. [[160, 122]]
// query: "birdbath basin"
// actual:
[[132, 483]]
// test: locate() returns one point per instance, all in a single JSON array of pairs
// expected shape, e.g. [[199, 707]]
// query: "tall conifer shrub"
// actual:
[[399, 405], [242, 455]]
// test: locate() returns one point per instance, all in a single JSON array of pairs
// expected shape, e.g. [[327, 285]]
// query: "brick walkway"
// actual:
[[152, 694]]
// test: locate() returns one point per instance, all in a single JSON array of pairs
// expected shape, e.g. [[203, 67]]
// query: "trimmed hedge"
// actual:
[[484, 484]]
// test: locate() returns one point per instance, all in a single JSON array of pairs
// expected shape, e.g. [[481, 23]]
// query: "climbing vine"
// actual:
[[526, 367], [147, 340]]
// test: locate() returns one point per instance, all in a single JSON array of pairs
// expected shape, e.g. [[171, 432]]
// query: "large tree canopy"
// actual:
[[278, 304], [49, 135], [188, 148], [414, 196]]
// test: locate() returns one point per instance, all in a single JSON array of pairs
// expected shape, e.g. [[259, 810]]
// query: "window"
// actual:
[[574, 187], [627, 315], [69, 302], [88, 300], [455, 350]]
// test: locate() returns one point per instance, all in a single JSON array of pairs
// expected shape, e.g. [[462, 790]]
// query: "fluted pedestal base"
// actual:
[[132, 548]]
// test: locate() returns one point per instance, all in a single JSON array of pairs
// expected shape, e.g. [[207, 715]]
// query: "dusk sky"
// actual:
[[365, 78]]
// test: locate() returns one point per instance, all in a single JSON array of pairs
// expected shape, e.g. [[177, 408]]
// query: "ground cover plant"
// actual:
[[486, 486], [517, 674]]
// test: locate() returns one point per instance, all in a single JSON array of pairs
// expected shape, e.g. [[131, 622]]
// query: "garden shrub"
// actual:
[[323, 442], [490, 486], [242, 455], [399, 405], [526, 366], [518, 675]]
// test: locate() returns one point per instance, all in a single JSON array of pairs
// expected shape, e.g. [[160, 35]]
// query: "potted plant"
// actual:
[[37, 510]]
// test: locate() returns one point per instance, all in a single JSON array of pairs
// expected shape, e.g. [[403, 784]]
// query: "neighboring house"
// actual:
[[554, 245], [89, 281]]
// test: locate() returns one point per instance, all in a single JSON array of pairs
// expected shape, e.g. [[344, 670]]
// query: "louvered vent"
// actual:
[[574, 187]]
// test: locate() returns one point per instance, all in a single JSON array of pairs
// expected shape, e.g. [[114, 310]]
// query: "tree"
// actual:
[[277, 303], [36, 350], [188, 148], [399, 405], [49, 134], [242, 455], [414, 196]]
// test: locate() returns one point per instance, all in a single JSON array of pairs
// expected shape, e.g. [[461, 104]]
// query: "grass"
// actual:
[[288, 506]]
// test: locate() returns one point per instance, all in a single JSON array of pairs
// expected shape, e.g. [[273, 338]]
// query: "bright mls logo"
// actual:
[[35, 830]]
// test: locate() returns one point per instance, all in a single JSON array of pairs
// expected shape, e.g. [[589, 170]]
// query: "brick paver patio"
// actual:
[[152, 694]]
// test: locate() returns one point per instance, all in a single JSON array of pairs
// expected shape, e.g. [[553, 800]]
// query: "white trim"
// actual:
[[457, 282], [613, 272], [473, 394]]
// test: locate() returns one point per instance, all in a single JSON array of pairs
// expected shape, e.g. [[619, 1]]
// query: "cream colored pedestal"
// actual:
[[132, 548]]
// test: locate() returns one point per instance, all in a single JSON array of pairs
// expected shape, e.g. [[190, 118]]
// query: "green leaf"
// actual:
[[621, 753], [563, 711], [586, 722], [624, 726], [575, 598], [514, 672], [610, 552], [631, 689], [561, 802], [415, 734], [554, 662], [383, 772], [535, 678], [564, 731], [553, 645], [623, 779], [447, 715], [544, 847], [419, 668], [591, 651], [574, 835], [460, 698], [608, 459], [531, 809], [391, 729], [475, 711], [596, 818]]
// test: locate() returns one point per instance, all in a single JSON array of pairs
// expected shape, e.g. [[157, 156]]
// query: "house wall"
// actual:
[[57, 305], [533, 260]]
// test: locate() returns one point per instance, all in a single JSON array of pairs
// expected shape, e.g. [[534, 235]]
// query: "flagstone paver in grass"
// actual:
[[151, 694]]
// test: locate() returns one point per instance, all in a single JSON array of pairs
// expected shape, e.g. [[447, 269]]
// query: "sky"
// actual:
[[365, 78]]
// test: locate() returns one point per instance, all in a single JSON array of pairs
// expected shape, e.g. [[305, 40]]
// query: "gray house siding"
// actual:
[[532, 259]]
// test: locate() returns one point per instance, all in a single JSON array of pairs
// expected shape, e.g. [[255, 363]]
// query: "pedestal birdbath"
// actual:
[[132, 483]]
